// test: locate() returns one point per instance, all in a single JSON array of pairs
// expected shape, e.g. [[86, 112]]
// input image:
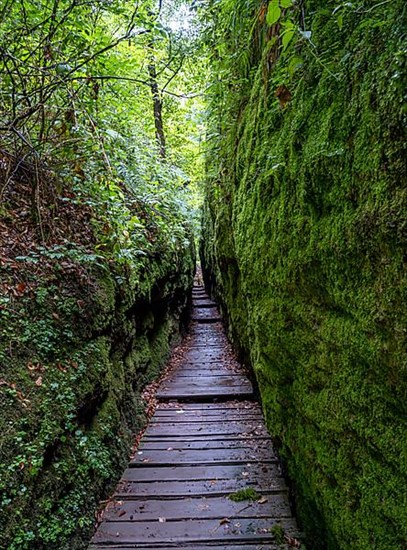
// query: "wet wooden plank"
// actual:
[[181, 409], [214, 329], [175, 455], [209, 342], [204, 395], [250, 471], [207, 428], [271, 506], [185, 375], [199, 418], [193, 546], [204, 356], [172, 417], [208, 444], [193, 530], [172, 440], [206, 315], [202, 488], [224, 380], [211, 407], [210, 369], [201, 339]]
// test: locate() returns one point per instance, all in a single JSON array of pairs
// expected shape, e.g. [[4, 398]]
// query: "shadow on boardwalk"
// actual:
[[206, 442]]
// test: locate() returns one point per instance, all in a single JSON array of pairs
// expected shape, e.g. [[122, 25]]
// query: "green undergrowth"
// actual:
[[303, 243]]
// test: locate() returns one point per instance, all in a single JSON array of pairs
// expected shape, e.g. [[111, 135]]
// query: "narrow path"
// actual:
[[206, 442]]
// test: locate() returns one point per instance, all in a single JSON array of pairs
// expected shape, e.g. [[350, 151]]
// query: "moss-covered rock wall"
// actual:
[[77, 346], [304, 245]]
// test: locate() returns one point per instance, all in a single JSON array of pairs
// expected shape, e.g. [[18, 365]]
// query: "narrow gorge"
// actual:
[[264, 142]]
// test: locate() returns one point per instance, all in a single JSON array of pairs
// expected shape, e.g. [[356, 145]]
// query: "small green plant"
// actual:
[[278, 533], [248, 493]]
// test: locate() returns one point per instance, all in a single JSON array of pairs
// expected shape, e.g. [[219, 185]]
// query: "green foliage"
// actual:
[[304, 241]]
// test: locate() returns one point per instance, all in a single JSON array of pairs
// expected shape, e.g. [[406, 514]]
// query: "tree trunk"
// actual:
[[157, 106]]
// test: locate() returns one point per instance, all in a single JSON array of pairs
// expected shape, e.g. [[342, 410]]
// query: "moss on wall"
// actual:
[[304, 241], [76, 350]]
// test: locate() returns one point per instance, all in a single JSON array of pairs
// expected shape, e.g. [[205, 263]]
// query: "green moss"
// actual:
[[248, 493], [303, 242]]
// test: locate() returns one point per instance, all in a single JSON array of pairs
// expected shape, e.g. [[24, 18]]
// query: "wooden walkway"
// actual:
[[206, 442]]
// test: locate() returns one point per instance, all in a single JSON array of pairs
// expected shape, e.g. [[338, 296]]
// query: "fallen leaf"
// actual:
[[224, 521], [292, 541], [20, 288], [262, 500], [38, 382]]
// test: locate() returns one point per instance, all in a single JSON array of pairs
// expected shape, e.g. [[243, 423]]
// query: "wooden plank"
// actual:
[[187, 488], [207, 428], [198, 372], [211, 407], [206, 315], [205, 395], [193, 546], [224, 380], [172, 440], [208, 444], [251, 472], [196, 328], [211, 343], [204, 356], [205, 338], [193, 530], [231, 414], [206, 310], [172, 416], [175, 455], [272, 506], [213, 366], [198, 418]]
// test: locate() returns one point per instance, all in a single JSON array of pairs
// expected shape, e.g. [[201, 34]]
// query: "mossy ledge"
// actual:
[[303, 243], [74, 362]]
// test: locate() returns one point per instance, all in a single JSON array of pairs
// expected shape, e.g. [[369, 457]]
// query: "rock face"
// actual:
[[68, 419], [304, 233]]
